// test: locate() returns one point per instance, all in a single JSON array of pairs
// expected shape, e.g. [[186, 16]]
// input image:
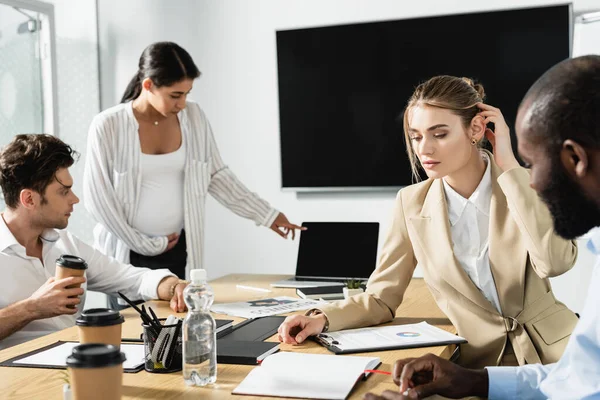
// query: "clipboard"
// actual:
[[13, 362], [391, 337]]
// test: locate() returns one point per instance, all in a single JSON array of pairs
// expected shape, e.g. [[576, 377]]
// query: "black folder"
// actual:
[[243, 343], [223, 324], [248, 353], [252, 330]]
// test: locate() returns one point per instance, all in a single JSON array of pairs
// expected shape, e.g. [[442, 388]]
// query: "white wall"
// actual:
[[233, 43], [127, 27]]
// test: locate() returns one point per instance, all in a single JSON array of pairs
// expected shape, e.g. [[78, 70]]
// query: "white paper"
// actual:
[[57, 356], [265, 307], [310, 376], [411, 335]]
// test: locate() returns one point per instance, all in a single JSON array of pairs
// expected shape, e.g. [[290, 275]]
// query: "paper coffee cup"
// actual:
[[96, 372], [100, 325], [67, 265]]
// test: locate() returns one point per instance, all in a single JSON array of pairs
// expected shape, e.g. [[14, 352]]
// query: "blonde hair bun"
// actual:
[[477, 86]]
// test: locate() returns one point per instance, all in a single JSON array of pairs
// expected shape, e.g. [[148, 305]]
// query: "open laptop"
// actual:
[[330, 253]]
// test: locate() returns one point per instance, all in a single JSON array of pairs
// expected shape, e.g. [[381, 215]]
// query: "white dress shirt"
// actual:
[[577, 374], [112, 183], [469, 227], [22, 275]]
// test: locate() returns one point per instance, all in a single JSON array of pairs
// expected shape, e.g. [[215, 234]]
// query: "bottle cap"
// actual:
[[198, 275]]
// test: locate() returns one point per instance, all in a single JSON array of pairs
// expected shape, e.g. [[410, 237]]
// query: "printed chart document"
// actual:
[[264, 307], [387, 338], [307, 376]]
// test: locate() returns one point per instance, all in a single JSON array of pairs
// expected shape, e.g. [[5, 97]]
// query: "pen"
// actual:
[[145, 317], [153, 321], [377, 371], [154, 315], [252, 288]]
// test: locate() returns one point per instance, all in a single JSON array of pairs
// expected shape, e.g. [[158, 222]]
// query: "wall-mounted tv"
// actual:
[[342, 88]]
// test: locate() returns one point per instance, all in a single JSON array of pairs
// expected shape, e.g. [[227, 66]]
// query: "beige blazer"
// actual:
[[524, 252]]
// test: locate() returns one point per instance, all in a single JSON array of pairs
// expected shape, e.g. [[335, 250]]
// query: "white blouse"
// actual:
[[469, 227]]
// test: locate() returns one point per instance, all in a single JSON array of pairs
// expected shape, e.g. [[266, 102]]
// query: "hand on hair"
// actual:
[[499, 137]]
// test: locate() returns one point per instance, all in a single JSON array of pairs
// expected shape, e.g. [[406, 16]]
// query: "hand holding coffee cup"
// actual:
[[68, 266], [53, 298]]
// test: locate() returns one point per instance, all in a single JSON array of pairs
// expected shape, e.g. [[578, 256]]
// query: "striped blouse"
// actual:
[[112, 181]]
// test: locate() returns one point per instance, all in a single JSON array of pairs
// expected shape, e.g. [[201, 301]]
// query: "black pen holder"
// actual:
[[163, 349]]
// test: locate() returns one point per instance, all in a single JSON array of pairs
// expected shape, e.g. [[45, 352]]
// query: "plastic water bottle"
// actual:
[[199, 333]]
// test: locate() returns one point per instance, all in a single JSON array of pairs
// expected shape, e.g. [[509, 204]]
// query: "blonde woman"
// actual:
[[484, 240]]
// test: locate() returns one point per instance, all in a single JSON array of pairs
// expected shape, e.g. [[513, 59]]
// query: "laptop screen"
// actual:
[[338, 249]]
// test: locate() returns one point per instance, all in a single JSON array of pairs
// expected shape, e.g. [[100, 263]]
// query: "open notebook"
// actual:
[[308, 376]]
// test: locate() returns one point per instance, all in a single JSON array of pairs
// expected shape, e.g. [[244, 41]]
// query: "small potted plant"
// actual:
[[352, 287]]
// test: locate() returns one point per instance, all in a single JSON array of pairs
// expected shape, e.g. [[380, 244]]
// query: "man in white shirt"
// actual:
[[558, 130], [36, 184]]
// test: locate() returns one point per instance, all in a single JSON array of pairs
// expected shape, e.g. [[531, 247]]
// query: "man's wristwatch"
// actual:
[[313, 312], [173, 286]]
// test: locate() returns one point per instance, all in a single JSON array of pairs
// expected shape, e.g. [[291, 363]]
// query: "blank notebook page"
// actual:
[[313, 376]]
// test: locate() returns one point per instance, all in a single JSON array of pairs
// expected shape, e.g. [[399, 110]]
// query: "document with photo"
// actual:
[[387, 338], [264, 307]]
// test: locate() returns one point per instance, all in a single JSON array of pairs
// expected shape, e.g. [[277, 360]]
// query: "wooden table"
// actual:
[[35, 383]]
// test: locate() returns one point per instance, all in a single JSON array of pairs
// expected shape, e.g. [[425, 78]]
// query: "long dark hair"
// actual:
[[165, 63]]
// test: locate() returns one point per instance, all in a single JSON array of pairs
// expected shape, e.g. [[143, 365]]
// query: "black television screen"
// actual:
[[343, 88]]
